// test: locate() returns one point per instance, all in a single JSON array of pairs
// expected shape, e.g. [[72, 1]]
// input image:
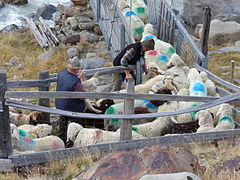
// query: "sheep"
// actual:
[[85, 136], [211, 88], [164, 47], [154, 58], [90, 85], [41, 144], [148, 31], [135, 23], [33, 118], [225, 115], [204, 76], [205, 121], [152, 72], [172, 176], [140, 8], [41, 130]]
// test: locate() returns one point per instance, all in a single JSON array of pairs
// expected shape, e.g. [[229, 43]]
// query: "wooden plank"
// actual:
[[237, 81], [36, 33], [73, 95], [126, 126], [60, 154], [5, 140], [6, 165], [160, 21], [139, 72], [27, 83], [217, 79], [207, 105], [44, 101], [1, 107], [205, 30]]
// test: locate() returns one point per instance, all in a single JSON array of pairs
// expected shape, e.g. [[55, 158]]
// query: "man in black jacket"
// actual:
[[131, 54]]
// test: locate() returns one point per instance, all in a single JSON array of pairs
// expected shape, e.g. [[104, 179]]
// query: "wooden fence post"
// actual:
[[5, 135], [44, 102], [232, 70], [205, 34], [98, 10], [139, 71], [126, 126]]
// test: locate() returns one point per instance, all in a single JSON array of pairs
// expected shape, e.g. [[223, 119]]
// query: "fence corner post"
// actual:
[[44, 102], [98, 10], [5, 140], [126, 125]]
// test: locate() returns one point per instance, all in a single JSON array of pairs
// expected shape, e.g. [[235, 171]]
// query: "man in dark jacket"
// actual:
[[131, 54], [69, 80]]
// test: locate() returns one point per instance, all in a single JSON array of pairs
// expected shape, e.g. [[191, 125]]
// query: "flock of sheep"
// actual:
[[168, 74]]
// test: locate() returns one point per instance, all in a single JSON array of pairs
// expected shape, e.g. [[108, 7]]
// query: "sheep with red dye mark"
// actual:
[[87, 136], [21, 143], [205, 121]]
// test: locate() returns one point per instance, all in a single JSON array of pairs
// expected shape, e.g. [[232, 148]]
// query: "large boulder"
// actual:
[[230, 167], [9, 28], [46, 11], [15, 2], [191, 10], [1, 4], [80, 2], [223, 32], [134, 164]]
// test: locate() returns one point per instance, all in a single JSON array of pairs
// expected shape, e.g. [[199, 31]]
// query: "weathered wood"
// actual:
[[73, 95], [5, 140], [36, 33], [6, 165], [98, 10], [44, 102], [1, 107], [139, 71], [126, 126], [172, 30], [27, 83], [237, 81], [232, 70], [49, 32], [205, 30], [207, 105], [217, 79], [60, 154]]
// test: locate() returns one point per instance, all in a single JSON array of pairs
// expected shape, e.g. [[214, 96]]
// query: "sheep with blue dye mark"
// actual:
[[225, 118], [21, 143], [211, 87], [140, 8], [135, 23], [87, 136], [38, 131]]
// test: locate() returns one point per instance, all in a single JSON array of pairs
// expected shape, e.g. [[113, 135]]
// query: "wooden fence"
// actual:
[[117, 36]]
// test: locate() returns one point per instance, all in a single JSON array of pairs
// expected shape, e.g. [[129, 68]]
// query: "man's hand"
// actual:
[[128, 75], [80, 74]]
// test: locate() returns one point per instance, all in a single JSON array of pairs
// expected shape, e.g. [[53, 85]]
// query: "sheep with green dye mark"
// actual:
[[225, 118], [140, 8], [38, 131], [21, 143]]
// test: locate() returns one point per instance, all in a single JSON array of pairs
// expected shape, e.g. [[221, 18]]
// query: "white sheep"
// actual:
[[90, 85], [204, 76], [140, 8], [225, 116], [211, 88], [38, 131], [148, 31], [205, 121], [164, 47], [172, 176], [21, 119], [85, 136], [41, 144], [135, 23]]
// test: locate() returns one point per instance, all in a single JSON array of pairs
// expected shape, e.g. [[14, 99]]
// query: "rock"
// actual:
[[80, 2], [223, 32], [90, 55], [172, 176], [237, 43], [191, 10], [46, 11], [92, 63], [72, 22], [97, 30], [224, 50], [71, 52], [7, 64], [229, 167], [19, 2], [61, 37], [86, 26], [20, 67], [83, 18], [74, 39], [47, 54], [196, 31], [88, 37], [134, 164], [56, 17], [14, 60], [1, 4], [9, 28]]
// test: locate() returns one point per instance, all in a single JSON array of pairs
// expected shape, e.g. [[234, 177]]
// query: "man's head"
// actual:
[[148, 44], [74, 63]]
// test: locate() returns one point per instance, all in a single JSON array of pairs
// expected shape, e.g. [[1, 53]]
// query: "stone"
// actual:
[[86, 26], [9, 28], [71, 52], [57, 16], [83, 18], [90, 55], [46, 11], [47, 54], [229, 167], [134, 164], [1, 4], [97, 30], [92, 63], [74, 39], [237, 43], [14, 60], [196, 31], [19, 2], [88, 37], [7, 64], [223, 32], [172, 176], [20, 67], [61, 37], [80, 2]]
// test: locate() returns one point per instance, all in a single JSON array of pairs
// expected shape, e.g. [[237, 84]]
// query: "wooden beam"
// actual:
[[27, 83], [126, 126], [210, 104], [5, 140], [6, 165], [48, 156]]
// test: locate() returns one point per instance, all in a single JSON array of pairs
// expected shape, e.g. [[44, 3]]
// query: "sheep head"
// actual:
[[224, 110], [73, 130], [204, 76], [43, 130], [36, 117], [204, 117], [175, 60]]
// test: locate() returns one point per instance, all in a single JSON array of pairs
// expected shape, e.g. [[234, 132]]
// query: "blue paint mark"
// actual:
[[163, 58], [150, 106], [149, 37], [198, 86], [129, 13]]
